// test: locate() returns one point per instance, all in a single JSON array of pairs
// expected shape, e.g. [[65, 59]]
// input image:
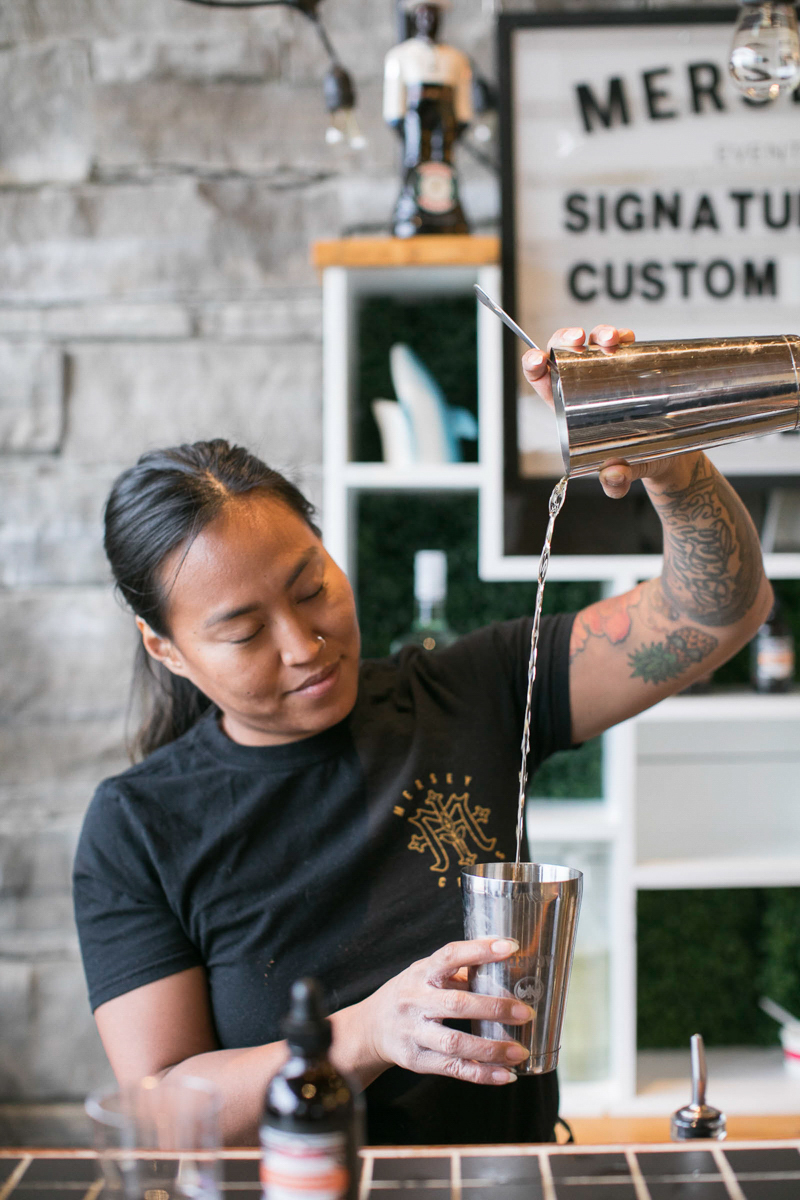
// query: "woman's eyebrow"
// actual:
[[300, 567], [245, 609], [230, 615]]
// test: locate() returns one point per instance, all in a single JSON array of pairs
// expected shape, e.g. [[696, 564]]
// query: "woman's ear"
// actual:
[[160, 648]]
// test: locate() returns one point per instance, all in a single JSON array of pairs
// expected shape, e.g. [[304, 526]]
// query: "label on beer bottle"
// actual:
[[311, 1165], [775, 658], [436, 187]]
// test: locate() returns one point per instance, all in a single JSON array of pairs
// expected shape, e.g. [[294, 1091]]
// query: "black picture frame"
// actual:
[[590, 523]]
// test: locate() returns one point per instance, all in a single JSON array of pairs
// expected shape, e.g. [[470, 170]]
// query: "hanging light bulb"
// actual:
[[765, 55], [338, 88], [340, 100], [484, 106], [343, 127]]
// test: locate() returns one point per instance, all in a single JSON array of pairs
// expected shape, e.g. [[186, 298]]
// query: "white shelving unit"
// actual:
[[700, 792], [682, 805], [344, 289]]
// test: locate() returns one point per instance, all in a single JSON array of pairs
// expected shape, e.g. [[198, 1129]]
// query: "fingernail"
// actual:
[[503, 1076], [614, 478], [504, 946], [605, 330], [521, 1012], [532, 359], [574, 333], [517, 1054]]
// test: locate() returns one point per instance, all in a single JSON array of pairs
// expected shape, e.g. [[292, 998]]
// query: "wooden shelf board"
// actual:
[[615, 567], [570, 820], [604, 1131], [430, 250], [589, 567], [743, 1081], [749, 1083], [422, 477], [726, 706], [728, 872]]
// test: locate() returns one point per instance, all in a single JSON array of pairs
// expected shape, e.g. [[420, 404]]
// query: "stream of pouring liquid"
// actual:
[[555, 505]]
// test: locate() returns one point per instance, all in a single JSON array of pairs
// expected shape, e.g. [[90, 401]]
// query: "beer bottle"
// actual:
[[772, 655]]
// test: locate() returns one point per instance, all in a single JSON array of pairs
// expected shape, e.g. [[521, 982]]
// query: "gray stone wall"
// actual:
[[163, 172]]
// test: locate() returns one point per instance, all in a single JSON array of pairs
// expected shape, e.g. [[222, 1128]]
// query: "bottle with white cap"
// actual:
[[429, 628]]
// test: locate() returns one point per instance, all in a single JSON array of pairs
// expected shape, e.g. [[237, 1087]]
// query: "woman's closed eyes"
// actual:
[[249, 638], [319, 591], [313, 595]]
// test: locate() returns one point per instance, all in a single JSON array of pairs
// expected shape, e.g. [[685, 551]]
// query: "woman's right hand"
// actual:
[[404, 1017]]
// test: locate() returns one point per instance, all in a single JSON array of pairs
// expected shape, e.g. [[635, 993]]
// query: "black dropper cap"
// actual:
[[698, 1119], [306, 1028]]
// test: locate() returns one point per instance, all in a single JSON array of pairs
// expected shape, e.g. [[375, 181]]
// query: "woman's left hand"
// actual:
[[617, 476]]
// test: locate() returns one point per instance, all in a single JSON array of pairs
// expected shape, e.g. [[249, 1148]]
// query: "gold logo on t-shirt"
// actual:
[[450, 823]]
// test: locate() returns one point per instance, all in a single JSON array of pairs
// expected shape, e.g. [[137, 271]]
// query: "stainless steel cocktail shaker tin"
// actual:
[[538, 905], [647, 400]]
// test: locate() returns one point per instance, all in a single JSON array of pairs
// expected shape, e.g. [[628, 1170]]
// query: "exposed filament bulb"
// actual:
[[765, 55]]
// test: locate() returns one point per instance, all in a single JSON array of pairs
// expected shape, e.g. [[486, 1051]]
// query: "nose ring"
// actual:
[[320, 638]]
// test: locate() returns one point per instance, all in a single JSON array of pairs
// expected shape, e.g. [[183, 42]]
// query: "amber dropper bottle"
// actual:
[[309, 1129]]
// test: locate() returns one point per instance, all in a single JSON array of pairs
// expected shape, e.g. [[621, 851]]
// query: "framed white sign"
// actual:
[[641, 189]]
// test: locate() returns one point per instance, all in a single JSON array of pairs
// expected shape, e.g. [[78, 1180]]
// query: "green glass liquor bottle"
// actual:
[[429, 627]]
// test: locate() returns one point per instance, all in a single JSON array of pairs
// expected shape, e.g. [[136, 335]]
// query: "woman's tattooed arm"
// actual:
[[630, 651], [658, 647], [712, 557]]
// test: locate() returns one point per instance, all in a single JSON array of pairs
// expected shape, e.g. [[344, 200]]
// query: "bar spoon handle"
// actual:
[[505, 318]]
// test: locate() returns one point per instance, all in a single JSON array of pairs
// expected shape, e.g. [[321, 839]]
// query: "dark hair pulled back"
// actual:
[[156, 506]]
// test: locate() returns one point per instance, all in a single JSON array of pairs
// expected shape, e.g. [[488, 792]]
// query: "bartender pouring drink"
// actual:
[[296, 811]]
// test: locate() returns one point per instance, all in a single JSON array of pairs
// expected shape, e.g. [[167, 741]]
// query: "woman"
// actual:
[[299, 812]]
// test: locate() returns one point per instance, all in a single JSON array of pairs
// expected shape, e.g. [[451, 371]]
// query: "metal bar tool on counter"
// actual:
[[698, 1119], [537, 905], [646, 400]]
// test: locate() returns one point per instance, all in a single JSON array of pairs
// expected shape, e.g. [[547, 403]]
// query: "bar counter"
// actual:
[[756, 1170]]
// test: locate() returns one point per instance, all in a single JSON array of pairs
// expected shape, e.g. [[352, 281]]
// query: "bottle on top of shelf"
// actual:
[[772, 655], [429, 627]]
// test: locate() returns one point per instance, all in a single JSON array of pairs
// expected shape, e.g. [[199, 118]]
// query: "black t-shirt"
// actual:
[[337, 856]]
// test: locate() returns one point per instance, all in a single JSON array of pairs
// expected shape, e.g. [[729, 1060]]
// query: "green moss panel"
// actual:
[[780, 939], [704, 958], [391, 528]]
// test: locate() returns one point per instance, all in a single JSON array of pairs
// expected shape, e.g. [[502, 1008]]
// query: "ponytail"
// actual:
[[167, 705], [161, 503]]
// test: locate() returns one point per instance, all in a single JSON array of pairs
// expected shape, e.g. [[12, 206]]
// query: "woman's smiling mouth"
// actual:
[[319, 684]]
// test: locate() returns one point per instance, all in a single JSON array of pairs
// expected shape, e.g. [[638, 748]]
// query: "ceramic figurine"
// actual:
[[436, 426], [427, 99], [397, 436]]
